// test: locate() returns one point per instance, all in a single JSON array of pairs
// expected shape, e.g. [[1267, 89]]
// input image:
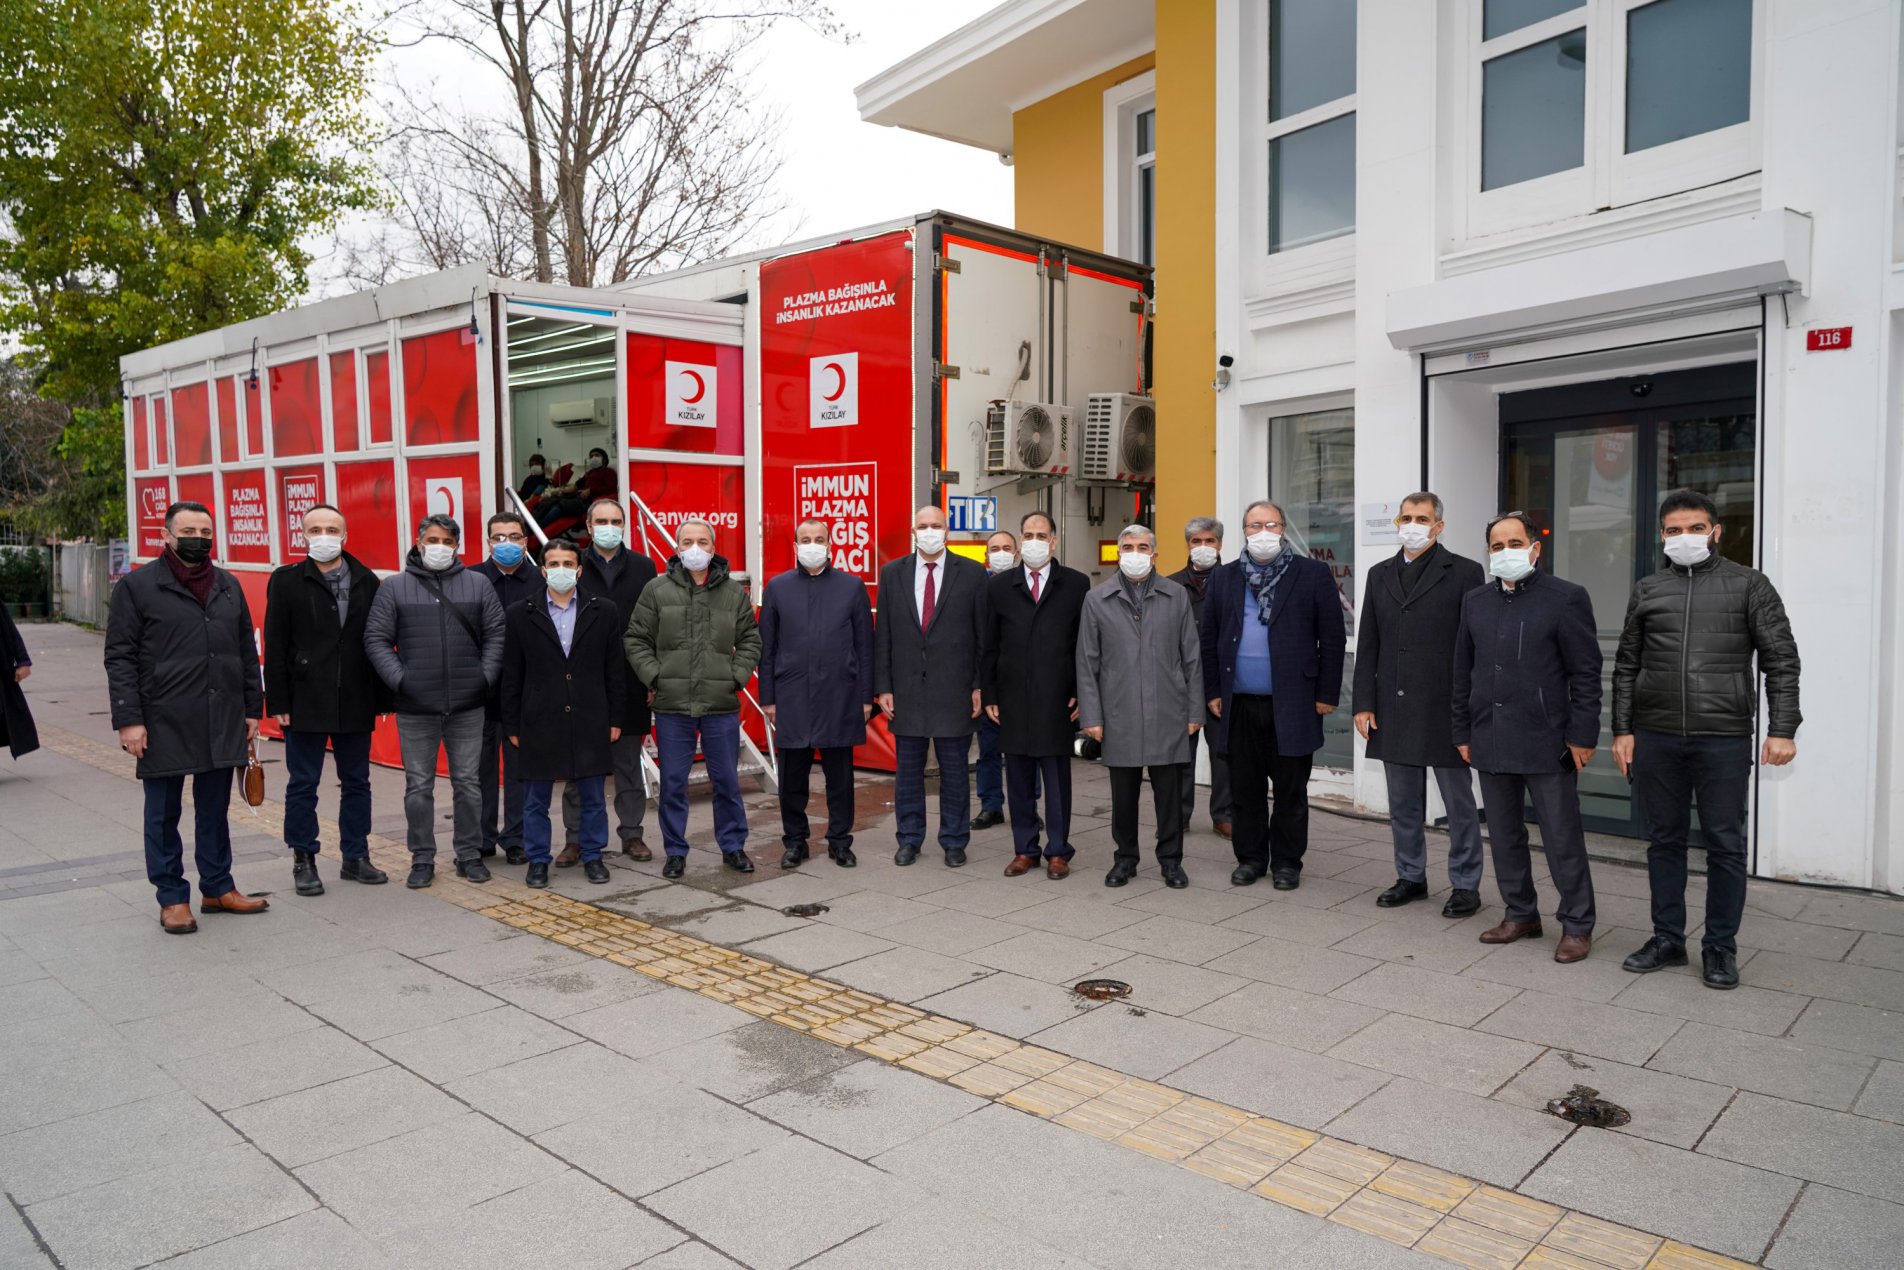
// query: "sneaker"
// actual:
[[472, 870], [422, 874]]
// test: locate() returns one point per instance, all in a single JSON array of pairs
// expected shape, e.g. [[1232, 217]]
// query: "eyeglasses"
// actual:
[[507, 538], [1263, 526]]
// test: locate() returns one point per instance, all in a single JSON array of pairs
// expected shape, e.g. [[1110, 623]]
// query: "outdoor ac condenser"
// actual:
[[1030, 439], [1120, 439]]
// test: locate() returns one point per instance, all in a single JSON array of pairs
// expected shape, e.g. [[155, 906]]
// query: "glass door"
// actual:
[[1590, 463]]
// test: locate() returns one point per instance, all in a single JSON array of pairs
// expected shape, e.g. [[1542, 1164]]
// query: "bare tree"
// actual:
[[628, 141]]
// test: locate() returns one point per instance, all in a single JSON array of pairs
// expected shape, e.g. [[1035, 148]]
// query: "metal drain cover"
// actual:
[[804, 910], [1102, 989], [1583, 1105]]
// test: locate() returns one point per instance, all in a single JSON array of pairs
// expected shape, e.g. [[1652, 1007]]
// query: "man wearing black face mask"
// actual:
[[182, 668], [1684, 707]]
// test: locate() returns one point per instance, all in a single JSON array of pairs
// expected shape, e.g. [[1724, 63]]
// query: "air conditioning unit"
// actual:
[[1029, 438], [1120, 438], [588, 412]]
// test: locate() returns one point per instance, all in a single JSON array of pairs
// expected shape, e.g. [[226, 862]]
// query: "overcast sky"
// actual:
[[839, 173]]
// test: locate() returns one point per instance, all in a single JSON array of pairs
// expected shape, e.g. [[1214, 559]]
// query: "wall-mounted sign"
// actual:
[[1827, 339]]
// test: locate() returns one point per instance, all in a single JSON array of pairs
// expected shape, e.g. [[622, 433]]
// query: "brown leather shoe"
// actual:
[[1222, 828], [570, 856], [1508, 932], [233, 902], [1021, 865], [1057, 868], [635, 849], [177, 919], [1573, 948]]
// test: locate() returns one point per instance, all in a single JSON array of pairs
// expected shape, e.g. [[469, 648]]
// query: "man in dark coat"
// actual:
[[1684, 707], [926, 672], [1527, 717], [1203, 542], [320, 686], [182, 669], [17, 732], [435, 636], [563, 680], [816, 685], [515, 577], [988, 774], [613, 571], [1404, 644], [1029, 686], [1273, 645]]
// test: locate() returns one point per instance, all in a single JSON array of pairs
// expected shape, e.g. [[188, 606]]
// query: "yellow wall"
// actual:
[[1058, 160]]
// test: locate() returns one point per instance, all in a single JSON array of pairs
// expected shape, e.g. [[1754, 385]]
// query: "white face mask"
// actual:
[[1036, 553], [439, 556], [1135, 564], [535, 469], [1511, 564], [1265, 546], [929, 541], [596, 460], [606, 537], [1204, 557], [1001, 561], [811, 555], [696, 559], [561, 579], [324, 548], [1413, 536], [1687, 550]]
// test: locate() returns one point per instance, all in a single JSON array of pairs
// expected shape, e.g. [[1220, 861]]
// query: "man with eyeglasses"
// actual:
[[614, 572], [513, 574], [1526, 709], [1273, 646]]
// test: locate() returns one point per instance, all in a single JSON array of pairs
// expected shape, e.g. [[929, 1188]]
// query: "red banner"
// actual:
[[439, 388], [367, 495], [228, 420], [684, 396], [450, 485], [674, 492], [246, 522], [297, 417], [299, 490], [151, 496], [192, 425]]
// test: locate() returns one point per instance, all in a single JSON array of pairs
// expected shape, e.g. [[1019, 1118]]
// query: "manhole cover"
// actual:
[[1102, 989], [804, 910], [1585, 1106]]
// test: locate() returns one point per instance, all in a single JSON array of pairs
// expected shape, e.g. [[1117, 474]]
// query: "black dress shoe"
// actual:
[[955, 858], [737, 861], [537, 876], [485, 852], [1656, 954], [675, 867], [793, 857], [595, 871], [1245, 874], [1462, 904], [844, 857], [1120, 874], [1721, 969], [514, 855], [1286, 880], [1400, 893], [421, 875], [1175, 878], [905, 855], [304, 873], [360, 869], [988, 819], [472, 870]]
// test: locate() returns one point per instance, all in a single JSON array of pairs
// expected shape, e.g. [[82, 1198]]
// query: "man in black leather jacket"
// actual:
[[1684, 707]]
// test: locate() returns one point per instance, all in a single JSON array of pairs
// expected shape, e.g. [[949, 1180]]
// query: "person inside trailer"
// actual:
[[563, 505], [537, 480]]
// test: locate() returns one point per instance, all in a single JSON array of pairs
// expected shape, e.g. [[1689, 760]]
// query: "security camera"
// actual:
[[1226, 361], [1005, 157], [1641, 387]]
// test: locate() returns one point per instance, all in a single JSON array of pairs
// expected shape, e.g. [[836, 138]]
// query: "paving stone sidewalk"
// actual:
[[353, 1077]]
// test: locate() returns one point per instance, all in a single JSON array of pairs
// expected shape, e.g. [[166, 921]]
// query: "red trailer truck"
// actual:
[[927, 360]]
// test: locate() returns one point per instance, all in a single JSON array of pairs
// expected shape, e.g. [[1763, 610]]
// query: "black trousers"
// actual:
[[1556, 799], [1166, 794], [1274, 841], [1668, 773], [796, 770], [1023, 775]]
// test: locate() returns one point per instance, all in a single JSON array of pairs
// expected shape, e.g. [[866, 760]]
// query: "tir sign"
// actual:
[[1827, 339]]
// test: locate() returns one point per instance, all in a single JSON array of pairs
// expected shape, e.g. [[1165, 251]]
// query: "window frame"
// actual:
[[1123, 102], [1314, 266]]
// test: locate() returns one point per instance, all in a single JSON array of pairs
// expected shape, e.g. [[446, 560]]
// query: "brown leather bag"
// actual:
[[254, 779]]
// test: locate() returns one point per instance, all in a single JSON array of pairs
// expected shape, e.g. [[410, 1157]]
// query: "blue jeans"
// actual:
[[535, 817], [955, 793], [718, 738], [211, 835], [420, 737], [1669, 772], [304, 768]]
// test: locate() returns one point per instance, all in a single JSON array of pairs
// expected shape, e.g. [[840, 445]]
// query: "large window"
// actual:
[[1312, 478], [1310, 132], [1130, 169], [1581, 105]]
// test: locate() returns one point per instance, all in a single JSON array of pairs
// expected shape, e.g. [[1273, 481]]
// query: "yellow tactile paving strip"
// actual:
[[1433, 1211]]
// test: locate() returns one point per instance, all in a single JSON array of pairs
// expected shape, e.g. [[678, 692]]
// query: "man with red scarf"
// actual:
[[182, 668]]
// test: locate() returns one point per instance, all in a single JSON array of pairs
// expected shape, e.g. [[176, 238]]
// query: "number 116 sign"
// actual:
[[1827, 339]]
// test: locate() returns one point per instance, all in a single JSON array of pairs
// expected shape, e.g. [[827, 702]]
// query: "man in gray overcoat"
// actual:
[[1140, 695]]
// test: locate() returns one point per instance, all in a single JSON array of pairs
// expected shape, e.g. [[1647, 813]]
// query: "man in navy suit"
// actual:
[[1273, 643]]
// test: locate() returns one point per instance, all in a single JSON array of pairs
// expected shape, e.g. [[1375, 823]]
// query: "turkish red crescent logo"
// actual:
[[449, 495], [840, 375], [700, 388]]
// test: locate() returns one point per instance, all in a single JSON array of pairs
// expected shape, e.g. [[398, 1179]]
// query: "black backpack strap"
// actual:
[[436, 589]]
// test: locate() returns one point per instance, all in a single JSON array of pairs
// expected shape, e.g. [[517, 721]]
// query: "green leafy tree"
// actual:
[[160, 163]]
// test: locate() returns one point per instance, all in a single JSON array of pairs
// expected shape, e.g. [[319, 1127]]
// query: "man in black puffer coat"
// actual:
[[1685, 704], [435, 636]]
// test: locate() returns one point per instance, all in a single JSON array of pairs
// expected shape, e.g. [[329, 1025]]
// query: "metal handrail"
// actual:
[[528, 517], [646, 518]]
